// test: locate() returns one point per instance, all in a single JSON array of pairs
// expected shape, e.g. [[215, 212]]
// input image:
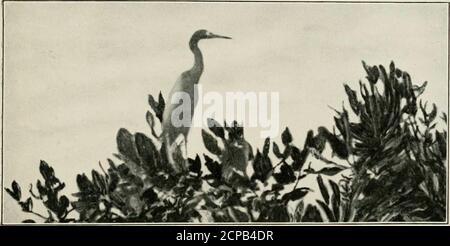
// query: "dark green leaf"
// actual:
[[299, 158], [319, 143], [98, 182], [277, 187], [286, 137], [327, 211], [216, 128], [125, 144], [296, 194], [84, 184], [309, 141], [262, 167], [420, 89], [330, 171], [161, 103], [372, 73], [444, 117], [147, 151], [153, 103], [195, 165], [276, 151], [15, 191], [149, 196], [442, 144], [214, 167], [323, 189], [41, 189], [157, 107], [433, 114], [266, 147], [352, 99], [286, 175], [63, 205], [335, 199], [211, 143], [47, 172], [338, 146], [150, 119], [27, 206], [235, 131]]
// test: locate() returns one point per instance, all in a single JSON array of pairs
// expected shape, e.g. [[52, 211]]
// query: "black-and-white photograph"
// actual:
[[299, 113]]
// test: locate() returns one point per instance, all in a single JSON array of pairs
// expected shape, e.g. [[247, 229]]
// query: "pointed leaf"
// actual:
[[330, 171], [150, 119], [323, 189], [195, 165], [214, 167], [352, 99], [444, 117], [15, 191], [296, 194], [161, 102], [46, 171], [63, 205], [147, 151], [299, 158], [216, 128], [335, 199], [276, 151], [433, 114], [125, 145], [27, 206], [327, 211], [262, 167], [98, 182], [266, 147], [211, 143], [286, 137], [286, 175], [338, 146]]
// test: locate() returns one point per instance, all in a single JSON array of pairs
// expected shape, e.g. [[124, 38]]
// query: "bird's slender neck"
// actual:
[[197, 69]]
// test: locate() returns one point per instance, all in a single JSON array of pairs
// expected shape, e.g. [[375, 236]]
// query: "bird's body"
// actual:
[[184, 86]]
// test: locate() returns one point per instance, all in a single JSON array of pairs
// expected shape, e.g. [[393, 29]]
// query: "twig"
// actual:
[[38, 214], [298, 180], [279, 163], [319, 156]]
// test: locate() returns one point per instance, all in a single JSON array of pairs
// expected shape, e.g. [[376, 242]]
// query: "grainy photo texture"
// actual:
[[142, 112]]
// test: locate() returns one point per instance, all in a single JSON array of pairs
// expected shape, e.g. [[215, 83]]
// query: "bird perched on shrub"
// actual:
[[177, 118]]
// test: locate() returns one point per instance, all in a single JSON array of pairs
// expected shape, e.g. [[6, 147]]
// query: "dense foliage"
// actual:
[[390, 163]]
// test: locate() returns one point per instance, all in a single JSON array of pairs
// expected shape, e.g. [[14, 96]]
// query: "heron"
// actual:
[[174, 133]]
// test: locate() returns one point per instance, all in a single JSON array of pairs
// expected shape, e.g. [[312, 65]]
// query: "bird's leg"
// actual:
[[169, 150], [185, 156], [173, 154], [183, 159], [181, 140]]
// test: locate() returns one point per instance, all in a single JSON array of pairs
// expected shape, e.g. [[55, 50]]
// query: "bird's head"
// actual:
[[204, 34]]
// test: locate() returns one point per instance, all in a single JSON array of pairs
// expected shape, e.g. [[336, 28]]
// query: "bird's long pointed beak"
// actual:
[[219, 36]]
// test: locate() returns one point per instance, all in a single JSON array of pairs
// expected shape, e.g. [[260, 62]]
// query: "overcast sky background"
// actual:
[[77, 72]]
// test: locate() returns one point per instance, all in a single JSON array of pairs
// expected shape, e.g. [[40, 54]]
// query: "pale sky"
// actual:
[[77, 72]]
